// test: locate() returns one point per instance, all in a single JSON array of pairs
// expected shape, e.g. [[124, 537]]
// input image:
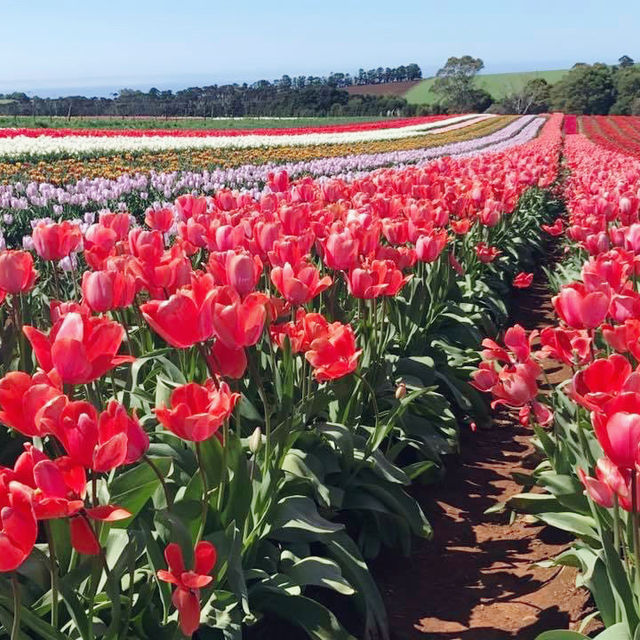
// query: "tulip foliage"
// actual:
[[591, 470], [213, 414]]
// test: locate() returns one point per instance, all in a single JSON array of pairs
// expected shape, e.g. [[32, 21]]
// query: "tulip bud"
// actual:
[[401, 391], [255, 440]]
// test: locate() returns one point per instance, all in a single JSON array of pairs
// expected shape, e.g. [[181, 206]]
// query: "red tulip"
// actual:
[[228, 363], [556, 229], [197, 412], [341, 250], [566, 345], [582, 309], [18, 526], [56, 240], [159, 219], [485, 253], [108, 290], [119, 222], [17, 274], [99, 441], [523, 280], [79, 348], [237, 269], [186, 318], [186, 597], [300, 283], [618, 430], [375, 278], [238, 323], [429, 247], [334, 355], [24, 399], [602, 380]]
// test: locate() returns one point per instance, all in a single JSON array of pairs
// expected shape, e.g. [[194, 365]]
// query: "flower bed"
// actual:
[[389, 123], [215, 411], [64, 170], [75, 145], [592, 455], [23, 204]]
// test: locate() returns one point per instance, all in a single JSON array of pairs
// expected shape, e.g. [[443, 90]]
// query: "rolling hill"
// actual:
[[497, 84], [419, 91]]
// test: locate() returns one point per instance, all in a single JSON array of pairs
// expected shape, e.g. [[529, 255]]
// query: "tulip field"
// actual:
[[227, 357]]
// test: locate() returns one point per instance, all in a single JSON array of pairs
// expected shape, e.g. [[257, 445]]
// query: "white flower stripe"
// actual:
[[83, 145]]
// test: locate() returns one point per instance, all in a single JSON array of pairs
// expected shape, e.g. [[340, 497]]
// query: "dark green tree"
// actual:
[[625, 61], [455, 84], [586, 89], [534, 97]]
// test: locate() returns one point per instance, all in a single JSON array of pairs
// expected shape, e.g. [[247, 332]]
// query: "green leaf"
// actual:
[[618, 631], [320, 572], [367, 597], [561, 635], [132, 489], [316, 620], [43, 630], [296, 519]]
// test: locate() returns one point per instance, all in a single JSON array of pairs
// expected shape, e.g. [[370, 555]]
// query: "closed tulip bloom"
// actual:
[[56, 240], [18, 526], [300, 283], [334, 355], [429, 247], [80, 348], [238, 323], [228, 363], [237, 269], [341, 250], [159, 219], [108, 290], [186, 596], [196, 412], [17, 274], [23, 400]]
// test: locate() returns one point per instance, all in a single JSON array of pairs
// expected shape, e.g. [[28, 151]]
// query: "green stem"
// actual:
[[15, 586], [160, 477], [205, 491], [636, 530], [54, 575]]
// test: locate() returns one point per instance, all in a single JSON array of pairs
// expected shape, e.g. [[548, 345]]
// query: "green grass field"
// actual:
[[144, 122], [497, 84]]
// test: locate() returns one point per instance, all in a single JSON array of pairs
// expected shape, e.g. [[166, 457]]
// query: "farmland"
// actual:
[[249, 363], [497, 84]]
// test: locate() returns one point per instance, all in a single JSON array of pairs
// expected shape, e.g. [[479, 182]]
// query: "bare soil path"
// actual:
[[477, 579]]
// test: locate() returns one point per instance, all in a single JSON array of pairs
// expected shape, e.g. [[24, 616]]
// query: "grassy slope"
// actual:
[[497, 84], [172, 123]]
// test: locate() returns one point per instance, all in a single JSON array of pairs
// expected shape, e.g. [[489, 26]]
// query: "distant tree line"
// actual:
[[301, 96], [585, 89]]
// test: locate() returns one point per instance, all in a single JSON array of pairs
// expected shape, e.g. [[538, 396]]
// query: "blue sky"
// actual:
[[71, 45]]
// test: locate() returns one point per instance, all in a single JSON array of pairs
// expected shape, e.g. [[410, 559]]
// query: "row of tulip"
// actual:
[[65, 170], [204, 423], [22, 204], [72, 145], [615, 133], [388, 123], [592, 456]]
